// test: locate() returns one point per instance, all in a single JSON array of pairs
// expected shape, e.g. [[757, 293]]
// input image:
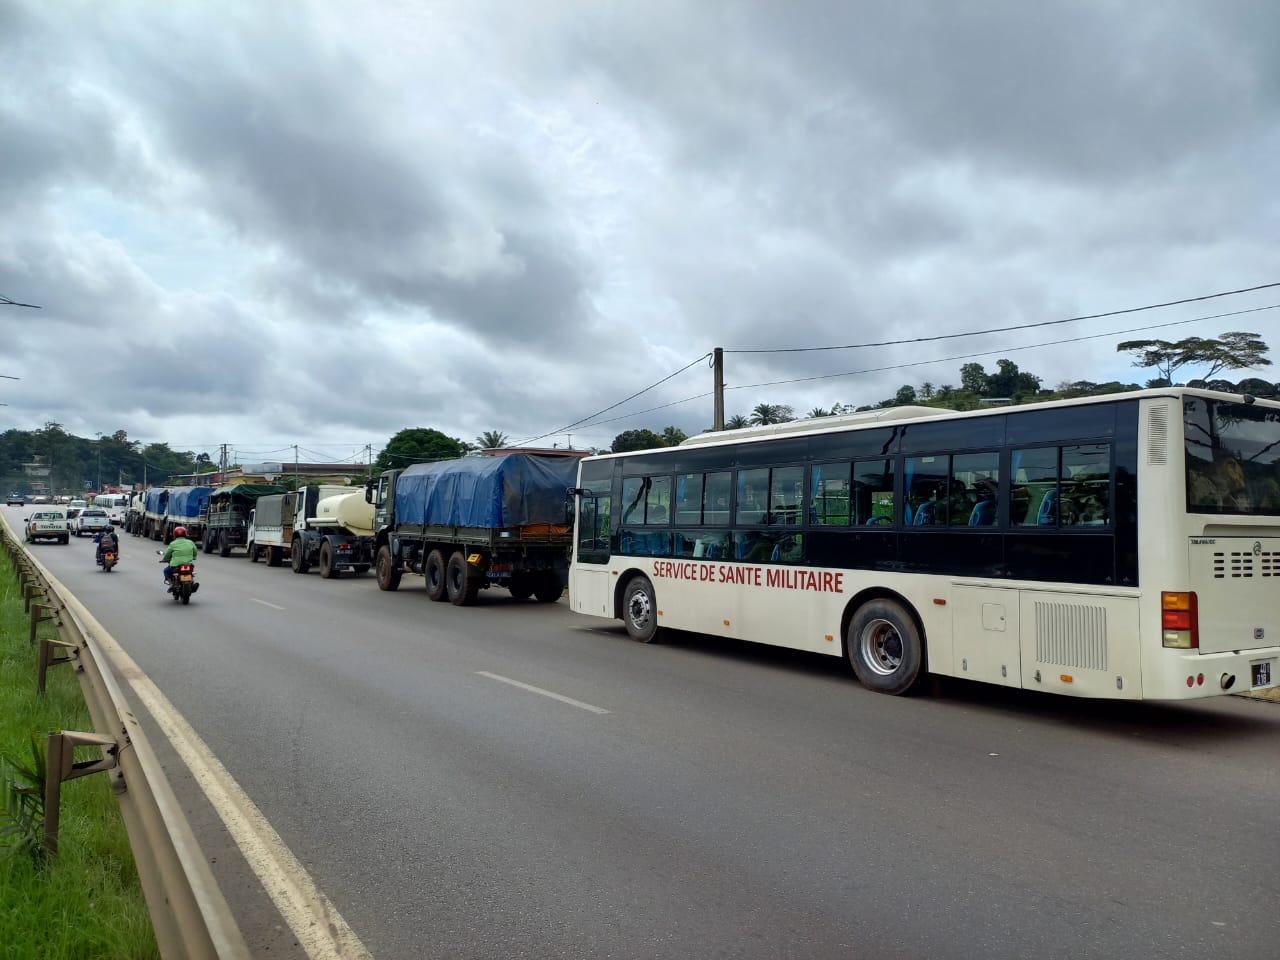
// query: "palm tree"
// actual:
[[765, 413], [674, 436], [492, 439], [736, 422], [819, 412]]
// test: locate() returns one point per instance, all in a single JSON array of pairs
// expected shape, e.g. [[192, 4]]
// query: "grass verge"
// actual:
[[84, 903]]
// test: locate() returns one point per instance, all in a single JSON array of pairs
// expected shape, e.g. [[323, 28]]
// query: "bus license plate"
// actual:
[[1261, 673]]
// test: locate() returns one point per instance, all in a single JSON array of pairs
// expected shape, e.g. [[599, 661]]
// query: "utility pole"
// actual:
[[98, 488], [295, 466], [717, 363]]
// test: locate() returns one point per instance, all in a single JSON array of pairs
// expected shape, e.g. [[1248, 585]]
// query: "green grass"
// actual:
[[85, 902]]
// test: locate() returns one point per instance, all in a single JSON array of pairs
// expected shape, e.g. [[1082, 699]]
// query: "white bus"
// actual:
[[115, 504], [1120, 547]]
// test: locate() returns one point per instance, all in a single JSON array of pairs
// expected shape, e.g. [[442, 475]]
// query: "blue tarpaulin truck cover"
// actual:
[[189, 502], [501, 491], [157, 497]]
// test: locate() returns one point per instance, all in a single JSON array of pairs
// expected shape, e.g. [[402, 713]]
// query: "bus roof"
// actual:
[[871, 418]]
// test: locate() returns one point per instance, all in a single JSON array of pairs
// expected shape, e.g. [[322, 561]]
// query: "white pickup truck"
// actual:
[[49, 523]]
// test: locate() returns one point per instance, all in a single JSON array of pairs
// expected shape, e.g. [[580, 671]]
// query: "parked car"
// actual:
[[16, 500], [91, 520], [48, 524]]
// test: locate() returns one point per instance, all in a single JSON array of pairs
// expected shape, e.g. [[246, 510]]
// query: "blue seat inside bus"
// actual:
[[984, 514], [926, 513], [1048, 515]]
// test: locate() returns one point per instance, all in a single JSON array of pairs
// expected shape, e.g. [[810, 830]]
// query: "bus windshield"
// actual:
[[1233, 457]]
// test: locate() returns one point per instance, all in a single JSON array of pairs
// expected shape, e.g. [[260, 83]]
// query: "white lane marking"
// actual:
[[541, 692], [320, 929], [265, 604]]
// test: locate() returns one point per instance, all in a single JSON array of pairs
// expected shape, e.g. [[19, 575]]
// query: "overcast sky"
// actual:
[[277, 223]]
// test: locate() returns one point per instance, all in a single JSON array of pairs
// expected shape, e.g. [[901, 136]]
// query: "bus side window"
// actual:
[[829, 494], [753, 488]]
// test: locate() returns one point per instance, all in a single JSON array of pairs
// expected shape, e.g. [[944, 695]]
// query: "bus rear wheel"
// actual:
[[886, 648], [640, 610]]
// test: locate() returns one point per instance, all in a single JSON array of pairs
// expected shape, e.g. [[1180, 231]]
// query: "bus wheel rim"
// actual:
[[881, 645], [638, 609]]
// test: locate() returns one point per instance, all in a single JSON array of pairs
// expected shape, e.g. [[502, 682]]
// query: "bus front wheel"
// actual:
[[640, 610], [886, 648]]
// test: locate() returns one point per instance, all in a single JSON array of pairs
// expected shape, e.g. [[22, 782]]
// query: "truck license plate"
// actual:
[[1261, 673]]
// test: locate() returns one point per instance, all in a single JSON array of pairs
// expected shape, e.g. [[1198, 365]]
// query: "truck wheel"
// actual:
[[521, 588], [462, 582], [387, 572], [224, 543], [433, 571], [327, 569], [298, 557], [274, 556], [206, 544], [548, 589], [640, 610], [253, 552], [885, 647]]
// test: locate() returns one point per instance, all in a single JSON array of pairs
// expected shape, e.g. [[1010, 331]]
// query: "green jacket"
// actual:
[[180, 550]]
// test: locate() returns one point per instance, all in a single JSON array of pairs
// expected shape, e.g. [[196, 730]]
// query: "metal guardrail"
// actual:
[[188, 911]]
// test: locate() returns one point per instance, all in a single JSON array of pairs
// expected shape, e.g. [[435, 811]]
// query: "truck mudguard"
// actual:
[[499, 491]]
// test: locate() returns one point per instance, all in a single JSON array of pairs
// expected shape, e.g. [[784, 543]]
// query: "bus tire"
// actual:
[[886, 648], [640, 610], [433, 572], [461, 581], [386, 571]]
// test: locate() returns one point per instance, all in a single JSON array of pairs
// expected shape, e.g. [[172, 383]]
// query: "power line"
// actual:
[[5, 301], [1020, 326], [575, 423], [925, 363]]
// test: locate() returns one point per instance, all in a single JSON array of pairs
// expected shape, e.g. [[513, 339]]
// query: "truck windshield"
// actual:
[[1233, 457]]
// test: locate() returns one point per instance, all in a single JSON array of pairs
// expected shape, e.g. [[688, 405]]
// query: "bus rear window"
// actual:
[[1233, 457]]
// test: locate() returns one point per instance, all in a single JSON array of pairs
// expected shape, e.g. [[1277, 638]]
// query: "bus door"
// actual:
[[984, 631], [591, 577]]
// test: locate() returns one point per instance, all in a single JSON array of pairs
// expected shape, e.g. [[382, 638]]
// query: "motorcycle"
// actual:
[[107, 560], [182, 581]]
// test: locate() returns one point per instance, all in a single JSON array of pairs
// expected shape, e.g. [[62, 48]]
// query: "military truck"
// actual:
[[228, 521], [334, 535], [469, 524]]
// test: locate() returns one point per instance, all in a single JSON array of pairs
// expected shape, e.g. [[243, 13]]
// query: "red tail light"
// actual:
[[1180, 620]]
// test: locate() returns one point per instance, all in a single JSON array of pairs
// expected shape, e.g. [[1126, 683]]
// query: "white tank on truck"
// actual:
[[349, 511]]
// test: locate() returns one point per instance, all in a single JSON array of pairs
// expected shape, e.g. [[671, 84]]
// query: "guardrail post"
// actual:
[[60, 764], [36, 618], [47, 648]]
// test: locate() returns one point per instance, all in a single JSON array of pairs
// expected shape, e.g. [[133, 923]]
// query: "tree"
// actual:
[[492, 440], [630, 440], [818, 412], [1236, 350], [766, 413], [906, 395], [417, 445], [736, 422], [1009, 381], [973, 377], [926, 391], [674, 436]]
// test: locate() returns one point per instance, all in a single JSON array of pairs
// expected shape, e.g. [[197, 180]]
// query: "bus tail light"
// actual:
[[1179, 620]]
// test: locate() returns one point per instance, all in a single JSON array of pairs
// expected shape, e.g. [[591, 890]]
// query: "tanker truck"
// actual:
[[335, 534], [279, 522], [469, 524]]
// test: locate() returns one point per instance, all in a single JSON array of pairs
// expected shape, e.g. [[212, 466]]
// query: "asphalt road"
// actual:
[[733, 801]]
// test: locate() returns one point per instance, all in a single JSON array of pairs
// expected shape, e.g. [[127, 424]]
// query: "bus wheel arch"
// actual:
[[884, 641]]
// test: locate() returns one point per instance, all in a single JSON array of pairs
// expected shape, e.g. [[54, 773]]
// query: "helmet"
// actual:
[[179, 531], [109, 529]]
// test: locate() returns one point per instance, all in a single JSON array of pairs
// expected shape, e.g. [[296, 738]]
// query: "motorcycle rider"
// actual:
[[180, 550], [107, 540]]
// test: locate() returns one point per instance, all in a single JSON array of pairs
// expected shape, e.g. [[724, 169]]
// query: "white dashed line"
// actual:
[[545, 693], [265, 604]]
